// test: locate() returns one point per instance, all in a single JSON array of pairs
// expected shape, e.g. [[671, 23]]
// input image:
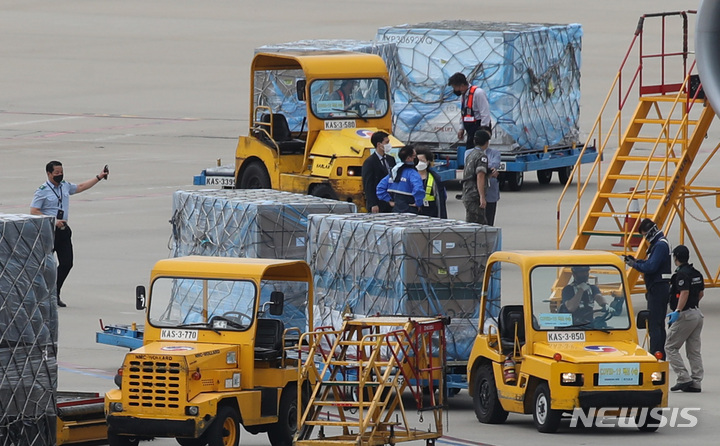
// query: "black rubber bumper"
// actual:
[[621, 398], [143, 427]]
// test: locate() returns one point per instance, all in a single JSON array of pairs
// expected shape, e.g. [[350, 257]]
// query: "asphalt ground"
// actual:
[[158, 90]]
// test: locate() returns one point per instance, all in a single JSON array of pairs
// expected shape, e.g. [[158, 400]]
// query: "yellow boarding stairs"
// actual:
[[651, 173], [354, 394]]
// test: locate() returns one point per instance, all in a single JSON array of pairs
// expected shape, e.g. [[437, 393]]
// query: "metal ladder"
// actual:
[[355, 377], [651, 169]]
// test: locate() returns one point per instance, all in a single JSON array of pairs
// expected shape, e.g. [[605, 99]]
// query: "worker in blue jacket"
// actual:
[[656, 271], [403, 187]]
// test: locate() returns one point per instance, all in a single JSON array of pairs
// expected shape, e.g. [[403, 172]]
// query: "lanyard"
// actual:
[[59, 196]]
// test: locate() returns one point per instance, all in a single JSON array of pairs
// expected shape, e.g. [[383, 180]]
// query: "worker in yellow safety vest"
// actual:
[[435, 194]]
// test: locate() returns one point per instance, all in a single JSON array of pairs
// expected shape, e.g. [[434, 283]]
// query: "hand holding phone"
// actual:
[[106, 171]]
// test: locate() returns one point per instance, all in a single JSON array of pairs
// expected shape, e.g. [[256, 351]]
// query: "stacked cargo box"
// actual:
[[366, 264], [530, 72], [250, 223], [28, 335]]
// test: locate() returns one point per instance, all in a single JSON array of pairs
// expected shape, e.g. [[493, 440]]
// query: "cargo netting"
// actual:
[[401, 264], [28, 336], [530, 73], [249, 223]]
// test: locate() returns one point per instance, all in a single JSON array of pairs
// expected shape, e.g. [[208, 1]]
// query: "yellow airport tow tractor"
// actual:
[[216, 354], [562, 337], [355, 395], [340, 99]]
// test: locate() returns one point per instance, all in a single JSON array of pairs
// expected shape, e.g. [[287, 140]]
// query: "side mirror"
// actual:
[[277, 303], [642, 319], [140, 297], [300, 87]]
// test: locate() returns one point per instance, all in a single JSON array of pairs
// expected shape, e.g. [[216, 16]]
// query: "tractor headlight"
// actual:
[[658, 378], [193, 411], [116, 407], [231, 358], [571, 379]]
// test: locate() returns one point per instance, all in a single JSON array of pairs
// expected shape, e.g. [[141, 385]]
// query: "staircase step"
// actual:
[[357, 363], [624, 176], [666, 98], [348, 383], [654, 139], [330, 423], [365, 404], [655, 159], [618, 214], [663, 121], [604, 233], [650, 196]]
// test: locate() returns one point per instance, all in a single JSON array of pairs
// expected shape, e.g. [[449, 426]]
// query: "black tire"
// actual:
[[564, 174], [284, 430], [191, 441], [515, 180], [544, 176], [254, 176], [121, 440], [324, 191], [225, 430], [485, 397], [650, 423], [547, 420]]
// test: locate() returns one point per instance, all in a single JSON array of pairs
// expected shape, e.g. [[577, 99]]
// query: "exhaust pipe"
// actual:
[[707, 49]]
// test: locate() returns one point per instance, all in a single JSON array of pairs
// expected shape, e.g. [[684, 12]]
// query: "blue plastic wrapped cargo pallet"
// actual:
[[365, 264], [530, 72]]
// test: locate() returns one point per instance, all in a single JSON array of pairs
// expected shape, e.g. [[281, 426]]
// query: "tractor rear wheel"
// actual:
[[254, 176]]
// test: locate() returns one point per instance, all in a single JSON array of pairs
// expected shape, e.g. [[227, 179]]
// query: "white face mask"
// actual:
[[387, 147], [421, 165]]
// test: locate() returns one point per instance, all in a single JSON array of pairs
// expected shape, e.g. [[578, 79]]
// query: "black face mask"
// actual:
[[457, 92], [58, 179]]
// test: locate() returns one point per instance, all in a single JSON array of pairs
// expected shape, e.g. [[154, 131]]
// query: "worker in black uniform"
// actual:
[[656, 271], [686, 322]]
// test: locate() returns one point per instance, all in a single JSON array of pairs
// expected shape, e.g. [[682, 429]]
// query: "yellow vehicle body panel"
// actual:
[[329, 161], [164, 379], [540, 360]]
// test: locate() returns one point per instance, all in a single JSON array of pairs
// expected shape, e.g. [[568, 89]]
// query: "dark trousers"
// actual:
[[403, 204], [657, 302], [490, 209], [470, 129], [64, 250]]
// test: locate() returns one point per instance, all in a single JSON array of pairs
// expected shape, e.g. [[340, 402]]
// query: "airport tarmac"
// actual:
[[158, 90]]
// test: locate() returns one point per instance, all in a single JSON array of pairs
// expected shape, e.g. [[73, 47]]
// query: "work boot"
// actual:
[[61, 303], [681, 386], [692, 389]]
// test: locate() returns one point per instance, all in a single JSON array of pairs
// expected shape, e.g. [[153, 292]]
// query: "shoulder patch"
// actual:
[[681, 282], [42, 187]]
